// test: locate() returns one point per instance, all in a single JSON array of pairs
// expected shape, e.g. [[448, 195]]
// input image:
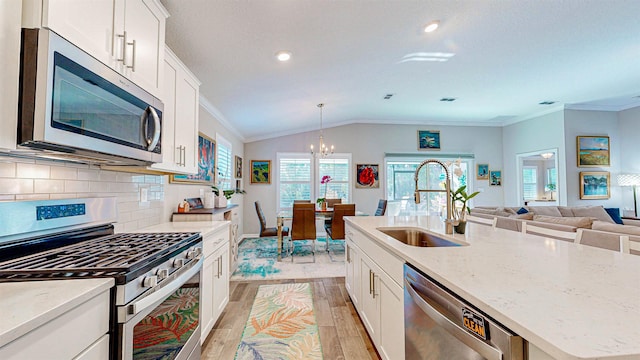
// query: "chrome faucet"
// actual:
[[447, 189]]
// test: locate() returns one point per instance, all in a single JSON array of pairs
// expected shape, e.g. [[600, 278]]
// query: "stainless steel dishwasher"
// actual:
[[440, 325]]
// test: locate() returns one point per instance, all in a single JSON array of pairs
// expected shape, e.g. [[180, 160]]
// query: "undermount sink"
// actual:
[[418, 237]]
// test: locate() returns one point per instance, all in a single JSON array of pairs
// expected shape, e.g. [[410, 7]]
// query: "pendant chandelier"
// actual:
[[323, 150]]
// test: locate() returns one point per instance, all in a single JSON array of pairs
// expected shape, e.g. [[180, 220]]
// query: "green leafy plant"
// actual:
[[461, 196], [227, 193]]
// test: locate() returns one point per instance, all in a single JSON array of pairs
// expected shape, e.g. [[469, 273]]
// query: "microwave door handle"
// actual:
[[452, 328], [156, 129]]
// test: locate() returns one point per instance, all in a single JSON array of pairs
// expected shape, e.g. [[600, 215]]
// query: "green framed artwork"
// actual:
[[428, 140], [593, 151], [261, 171], [206, 164], [482, 172], [594, 185], [495, 178]]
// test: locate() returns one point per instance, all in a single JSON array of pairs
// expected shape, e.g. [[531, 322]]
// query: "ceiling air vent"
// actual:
[[546, 102], [448, 99], [388, 96]]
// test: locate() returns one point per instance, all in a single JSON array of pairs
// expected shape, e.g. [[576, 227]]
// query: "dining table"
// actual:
[[283, 215]]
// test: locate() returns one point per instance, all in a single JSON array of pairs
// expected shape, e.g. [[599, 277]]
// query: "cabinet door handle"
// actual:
[[370, 282], [373, 281], [348, 255], [124, 48], [183, 155], [133, 56]]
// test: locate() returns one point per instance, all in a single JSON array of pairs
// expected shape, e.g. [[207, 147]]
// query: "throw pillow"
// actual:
[[579, 222], [565, 211], [522, 211], [592, 211], [546, 210], [615, 215], [615, 228], [527, 216]]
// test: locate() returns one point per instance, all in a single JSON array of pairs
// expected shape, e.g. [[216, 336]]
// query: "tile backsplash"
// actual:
[[26, 179]]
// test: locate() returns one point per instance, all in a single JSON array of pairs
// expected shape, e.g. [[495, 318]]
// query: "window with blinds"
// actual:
[[530, 182], [224, 165], [338, 168], [294, 179]]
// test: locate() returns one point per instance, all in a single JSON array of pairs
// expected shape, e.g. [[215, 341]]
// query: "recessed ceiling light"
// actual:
[[432, 26], [283, 55]]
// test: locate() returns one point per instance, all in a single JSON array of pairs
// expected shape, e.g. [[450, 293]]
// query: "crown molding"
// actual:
[[213, 111]]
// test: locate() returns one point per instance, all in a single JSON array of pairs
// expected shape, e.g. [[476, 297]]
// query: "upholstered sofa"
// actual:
[[596, 222]]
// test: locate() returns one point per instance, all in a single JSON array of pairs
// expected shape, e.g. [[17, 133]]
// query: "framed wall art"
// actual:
[[482, 171], [593, 151], [428, 140], [238, 167], [495, 177], [367, 176], [261, 171], [206, 164], [594, 185]]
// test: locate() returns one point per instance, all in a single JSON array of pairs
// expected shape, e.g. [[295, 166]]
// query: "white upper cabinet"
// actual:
[[179, 119], [127, 35]]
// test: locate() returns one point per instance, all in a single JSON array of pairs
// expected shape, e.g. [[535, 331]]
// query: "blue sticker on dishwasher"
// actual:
[[475, 324]]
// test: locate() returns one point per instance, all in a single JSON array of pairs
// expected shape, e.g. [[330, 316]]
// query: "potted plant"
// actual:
[[551, 188], [460, 196], [321, 203], [221, 200]]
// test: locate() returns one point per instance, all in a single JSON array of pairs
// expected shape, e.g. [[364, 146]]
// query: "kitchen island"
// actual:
[[570, 301]]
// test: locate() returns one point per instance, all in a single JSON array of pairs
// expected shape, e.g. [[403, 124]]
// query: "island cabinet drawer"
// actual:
[[391, 264], [211, 242], [76, 333]]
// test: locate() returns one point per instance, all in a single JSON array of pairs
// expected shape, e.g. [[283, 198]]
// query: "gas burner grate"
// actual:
[[104, 256]]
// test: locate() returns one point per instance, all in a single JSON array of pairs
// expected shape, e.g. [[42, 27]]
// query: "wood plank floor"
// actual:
[[342, 334]]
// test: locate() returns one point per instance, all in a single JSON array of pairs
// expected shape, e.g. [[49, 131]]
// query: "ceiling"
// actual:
[[502, 59]]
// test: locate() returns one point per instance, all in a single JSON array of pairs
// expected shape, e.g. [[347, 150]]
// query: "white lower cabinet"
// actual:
[[215, 279], [353, 271], [80, 333], [377, 296]]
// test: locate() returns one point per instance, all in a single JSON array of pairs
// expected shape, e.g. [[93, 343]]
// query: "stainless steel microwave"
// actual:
[[72, 106]]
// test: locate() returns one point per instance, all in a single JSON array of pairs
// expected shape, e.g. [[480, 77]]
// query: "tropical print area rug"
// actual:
[[281, 325], [257, 260]]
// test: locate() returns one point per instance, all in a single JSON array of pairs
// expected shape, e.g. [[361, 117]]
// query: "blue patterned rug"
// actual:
[[257, 260]]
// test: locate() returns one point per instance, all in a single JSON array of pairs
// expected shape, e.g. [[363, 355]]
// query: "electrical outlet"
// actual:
[[144, 194]]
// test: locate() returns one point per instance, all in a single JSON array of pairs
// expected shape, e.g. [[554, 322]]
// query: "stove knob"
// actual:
[[178, 263], [162, 273], [192, 253], [150, 281]]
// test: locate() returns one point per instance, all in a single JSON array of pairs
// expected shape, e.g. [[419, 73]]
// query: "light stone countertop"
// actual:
[[29, 304], [203, 227], [571, 301]]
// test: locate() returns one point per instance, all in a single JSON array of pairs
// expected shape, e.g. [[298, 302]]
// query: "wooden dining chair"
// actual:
[[268, 231], [382, 207], [482, 221], [571, 236], [631, 244], [331, 202], [302, 201], [303, 226], [335, 230]]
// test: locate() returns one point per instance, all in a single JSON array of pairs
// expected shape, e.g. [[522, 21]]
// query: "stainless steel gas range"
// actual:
[[155, 303]]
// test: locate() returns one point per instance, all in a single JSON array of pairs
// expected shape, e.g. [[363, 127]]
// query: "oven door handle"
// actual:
[[452, 328], [175, 283]]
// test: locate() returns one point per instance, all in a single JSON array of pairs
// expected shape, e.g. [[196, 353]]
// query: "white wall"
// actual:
[[540, 133], [628, 122], [368, 144], [593, 123]]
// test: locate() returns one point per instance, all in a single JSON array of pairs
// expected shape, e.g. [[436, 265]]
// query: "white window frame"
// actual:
[[319, 188], [224, 176], [536, 183], [279, 157]]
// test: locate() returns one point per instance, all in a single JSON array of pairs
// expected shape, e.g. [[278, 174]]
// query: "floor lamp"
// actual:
[[630, 180]]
